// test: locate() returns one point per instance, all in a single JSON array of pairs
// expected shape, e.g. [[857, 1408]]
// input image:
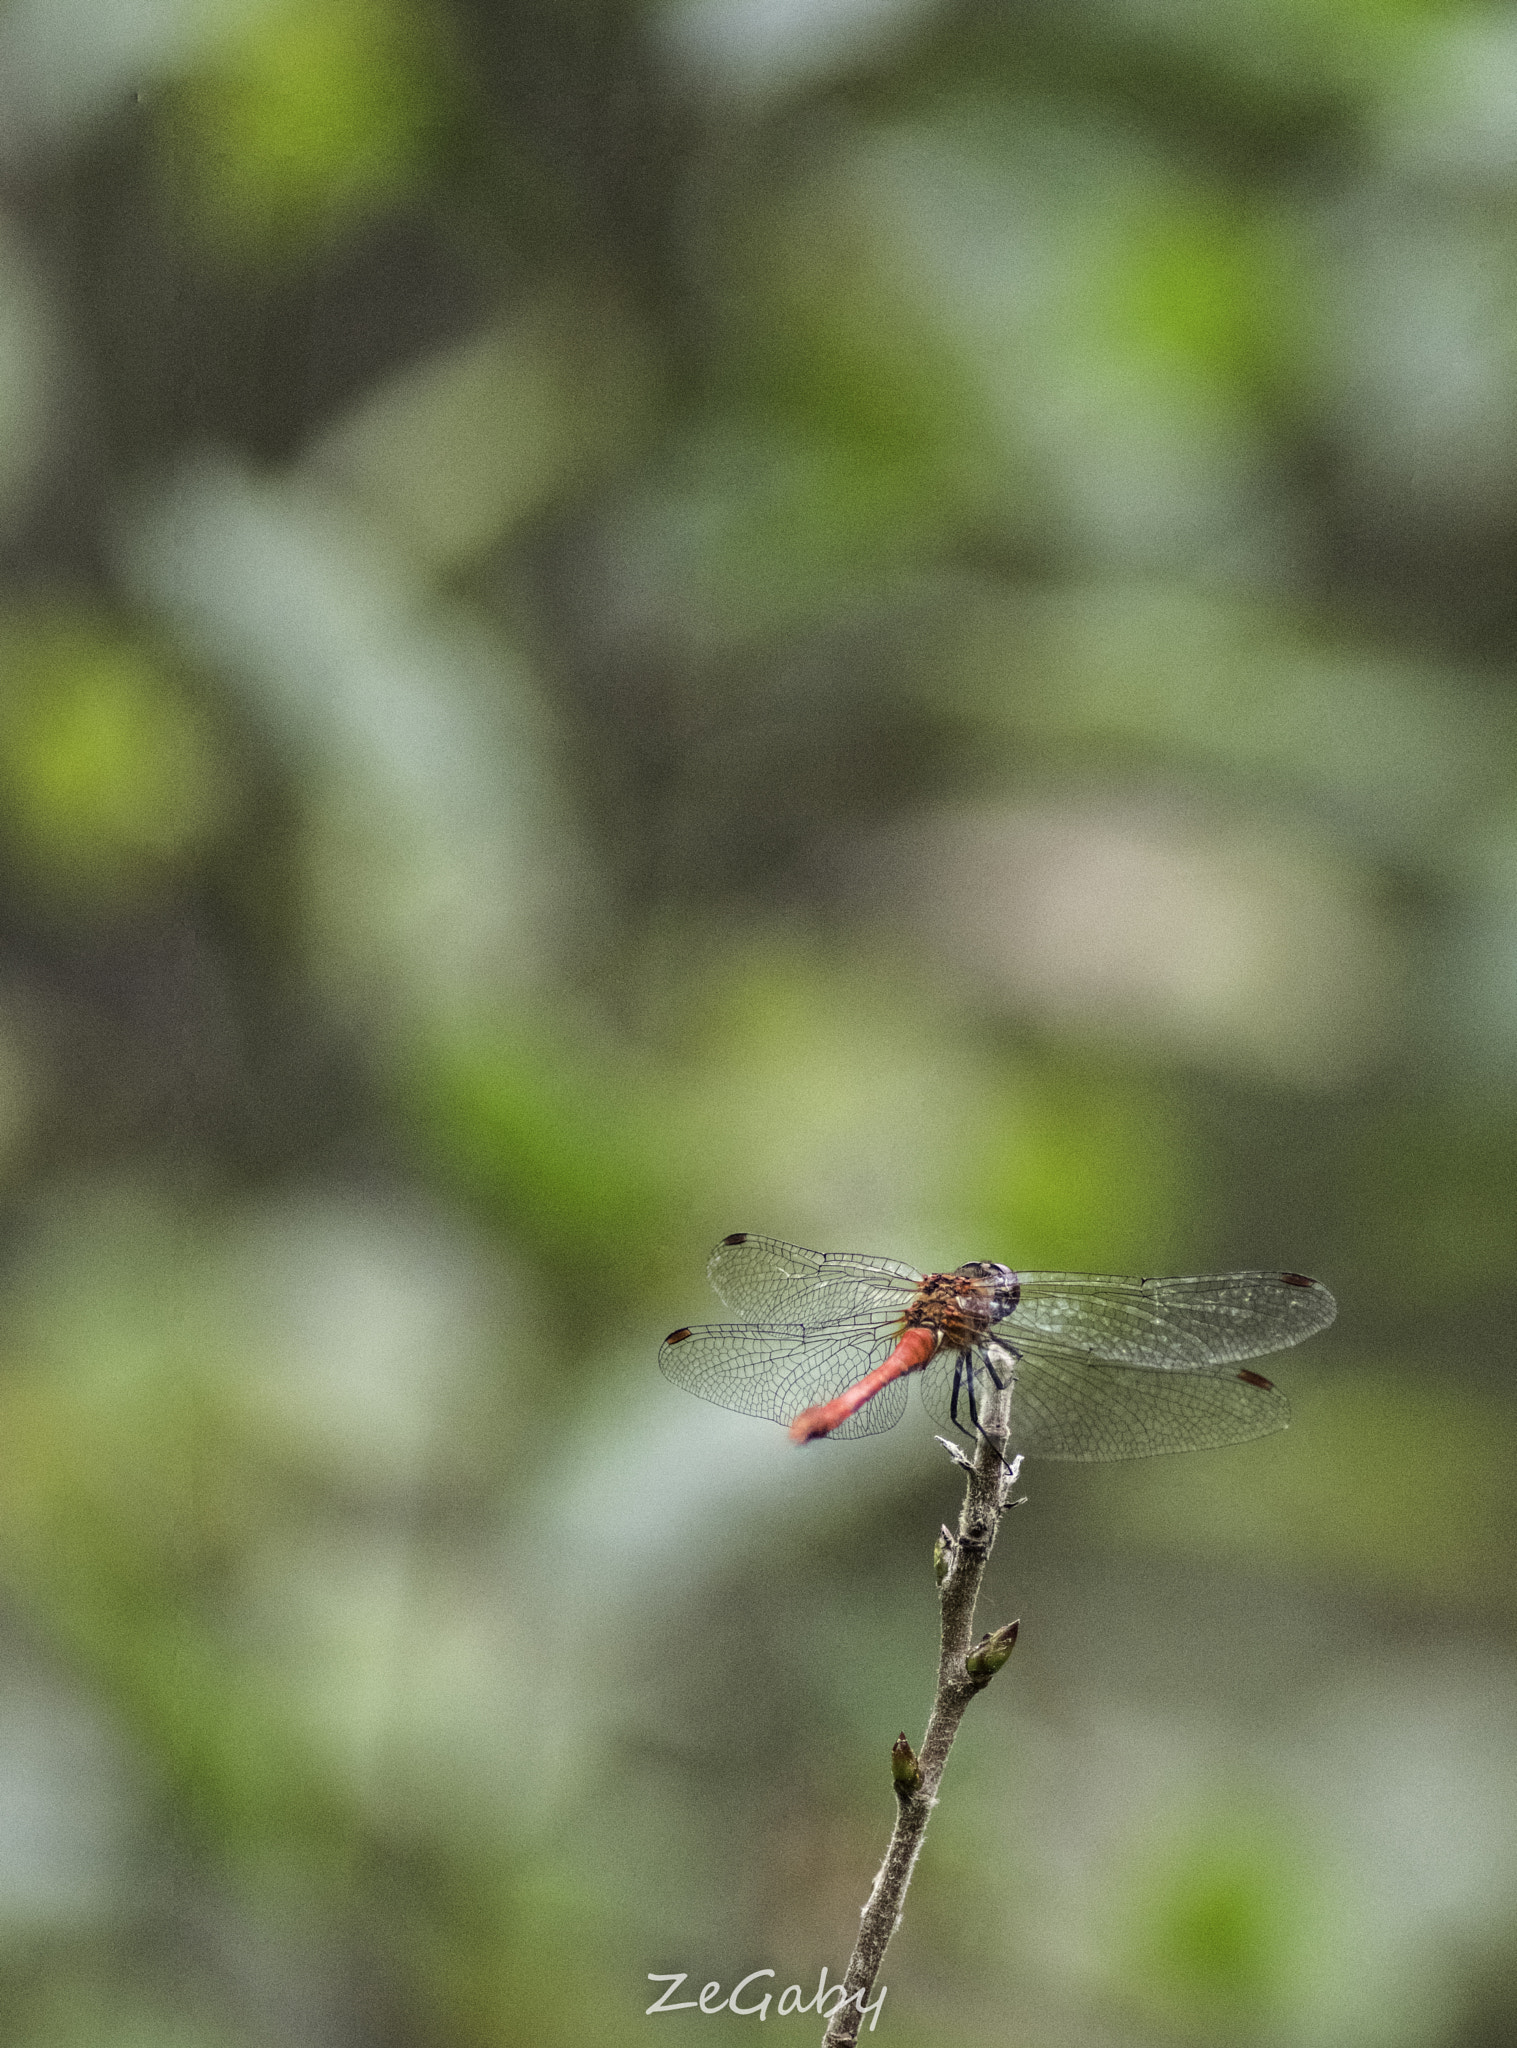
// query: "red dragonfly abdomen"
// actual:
[[910, 1355]]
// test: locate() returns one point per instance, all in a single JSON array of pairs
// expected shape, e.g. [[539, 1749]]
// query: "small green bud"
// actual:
[[990, 1653], [904, 1768], [942, 1555]]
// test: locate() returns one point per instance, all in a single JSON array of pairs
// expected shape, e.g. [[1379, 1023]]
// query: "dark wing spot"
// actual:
[[741, 1237], [678, 1336], [1290, 1279], [1254, 1379]]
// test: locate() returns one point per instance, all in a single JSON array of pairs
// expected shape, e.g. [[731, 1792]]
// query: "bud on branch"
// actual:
[[904, 1768], [990, 1653]]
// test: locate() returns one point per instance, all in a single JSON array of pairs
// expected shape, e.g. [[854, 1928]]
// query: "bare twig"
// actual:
[[964, 1668]]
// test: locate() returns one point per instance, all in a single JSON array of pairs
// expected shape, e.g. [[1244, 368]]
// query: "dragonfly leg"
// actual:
[[1008, 1361], [974, 1414], [963, 1382]]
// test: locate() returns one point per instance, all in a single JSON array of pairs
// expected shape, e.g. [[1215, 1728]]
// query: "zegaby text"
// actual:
[[749, 2000]]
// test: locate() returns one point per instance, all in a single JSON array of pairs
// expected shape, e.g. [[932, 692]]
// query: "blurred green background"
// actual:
[[891, 621]]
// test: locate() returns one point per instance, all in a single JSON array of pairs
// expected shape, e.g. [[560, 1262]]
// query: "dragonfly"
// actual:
[[1073, 1365]]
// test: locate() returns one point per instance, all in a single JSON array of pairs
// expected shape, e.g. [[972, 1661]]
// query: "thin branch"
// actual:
[[964, 1668]]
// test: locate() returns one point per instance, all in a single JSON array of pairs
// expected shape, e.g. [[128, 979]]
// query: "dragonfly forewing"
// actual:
[[1176, 1323], [768, 1281]]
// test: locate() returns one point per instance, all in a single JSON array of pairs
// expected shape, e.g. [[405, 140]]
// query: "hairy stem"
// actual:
[[987, 1495]]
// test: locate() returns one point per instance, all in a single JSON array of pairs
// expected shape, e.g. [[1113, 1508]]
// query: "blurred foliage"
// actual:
[[889, 622], [110, 775], [1210, 290], [313, 114], [1220, 1917], [1445, 1533], [1092, 1166], [1456, 1234], [561, 1147]]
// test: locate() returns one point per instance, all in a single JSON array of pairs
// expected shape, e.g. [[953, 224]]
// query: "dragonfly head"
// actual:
[[998, 1285]]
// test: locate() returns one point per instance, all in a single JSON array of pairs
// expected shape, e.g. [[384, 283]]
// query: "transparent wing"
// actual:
[[1184, 1323], [1068, 1404], [775, 1371], [771, 1282]]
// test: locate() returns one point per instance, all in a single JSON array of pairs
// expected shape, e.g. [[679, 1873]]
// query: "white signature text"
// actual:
[[750, 2002]]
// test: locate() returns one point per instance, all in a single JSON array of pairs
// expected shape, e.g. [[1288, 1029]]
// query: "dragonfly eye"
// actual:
[[999, 1283]]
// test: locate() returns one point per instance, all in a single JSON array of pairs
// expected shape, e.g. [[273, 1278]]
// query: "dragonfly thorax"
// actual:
[[964, 1306]]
